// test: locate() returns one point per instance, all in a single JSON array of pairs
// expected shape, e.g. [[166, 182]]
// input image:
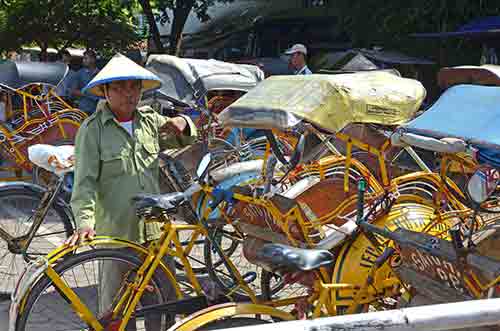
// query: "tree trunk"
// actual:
[[181, 13], [154, 32], [44, 55]]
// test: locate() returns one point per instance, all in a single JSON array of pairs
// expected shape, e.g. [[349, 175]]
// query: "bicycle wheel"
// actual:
[[17, 205], [46, 308]]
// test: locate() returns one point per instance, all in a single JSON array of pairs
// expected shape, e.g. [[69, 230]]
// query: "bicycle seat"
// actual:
[[283, 257], [56, 159], [163, 202]]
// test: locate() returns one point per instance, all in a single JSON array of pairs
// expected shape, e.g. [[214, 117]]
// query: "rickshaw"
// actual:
[[460, 129], [32, 113], [361, 275], [194, 87], [461, 126], [252, 112], [461, 123], [193, 84], [201, 89]]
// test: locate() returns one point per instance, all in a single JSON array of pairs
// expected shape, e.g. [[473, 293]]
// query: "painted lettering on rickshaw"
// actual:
[[434, 267], [368, 257]]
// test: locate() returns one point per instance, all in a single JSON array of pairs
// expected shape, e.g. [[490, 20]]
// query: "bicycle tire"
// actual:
[[159, 280], [42, 243]]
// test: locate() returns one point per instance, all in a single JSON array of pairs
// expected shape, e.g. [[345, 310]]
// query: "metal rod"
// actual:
[[450, 316], [417, 159]]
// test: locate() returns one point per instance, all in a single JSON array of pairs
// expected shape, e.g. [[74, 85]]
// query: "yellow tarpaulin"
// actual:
[[329, 101]]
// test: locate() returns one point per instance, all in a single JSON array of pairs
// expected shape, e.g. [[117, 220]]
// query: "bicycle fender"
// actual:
[[205, 316], [24, 284]]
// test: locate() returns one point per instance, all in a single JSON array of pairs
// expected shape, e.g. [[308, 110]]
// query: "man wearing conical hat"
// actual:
[[116, 153]]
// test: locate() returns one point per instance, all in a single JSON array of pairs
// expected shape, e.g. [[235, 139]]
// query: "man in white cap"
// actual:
[[297, 61], [116, 152]]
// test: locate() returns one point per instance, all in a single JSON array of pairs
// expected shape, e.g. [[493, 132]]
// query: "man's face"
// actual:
[[124, 95], [295, 61], [88, 60]]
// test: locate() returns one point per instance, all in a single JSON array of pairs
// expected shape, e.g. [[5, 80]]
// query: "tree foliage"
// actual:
[[389, 22], [175, 12], [101, 24]]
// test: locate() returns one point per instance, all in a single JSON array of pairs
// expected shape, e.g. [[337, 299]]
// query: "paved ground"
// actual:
[[4, 315]]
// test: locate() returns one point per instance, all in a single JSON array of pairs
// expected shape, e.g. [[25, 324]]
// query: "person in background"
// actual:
[[64, 88], [297, 61], [86, 102]]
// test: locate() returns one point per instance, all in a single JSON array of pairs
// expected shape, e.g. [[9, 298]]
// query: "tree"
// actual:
[[177, 12], [389, 23], [155, 33], [104, 24]]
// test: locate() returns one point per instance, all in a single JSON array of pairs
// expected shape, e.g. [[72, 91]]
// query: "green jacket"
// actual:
[[112, 167]]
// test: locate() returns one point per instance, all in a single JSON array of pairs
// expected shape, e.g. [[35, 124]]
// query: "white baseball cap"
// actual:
[[297, 48]]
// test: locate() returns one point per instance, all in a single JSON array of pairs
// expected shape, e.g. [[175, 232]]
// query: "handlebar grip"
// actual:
[[456, 239], [275, 147], [361, 200], [271, 164]]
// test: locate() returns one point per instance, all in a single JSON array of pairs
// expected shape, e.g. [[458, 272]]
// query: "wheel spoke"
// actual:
[[17, 209]]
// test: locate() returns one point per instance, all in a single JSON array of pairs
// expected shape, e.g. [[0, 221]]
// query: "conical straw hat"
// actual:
[[121, 67]]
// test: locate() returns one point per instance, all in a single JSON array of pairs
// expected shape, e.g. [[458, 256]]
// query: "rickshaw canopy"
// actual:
[[9, 76], [51, 73], [468, 112], [327, 101], [486, 74], [16, 75], [185, 81]]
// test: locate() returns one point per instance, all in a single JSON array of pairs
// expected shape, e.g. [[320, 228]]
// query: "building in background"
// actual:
[[261, 28]]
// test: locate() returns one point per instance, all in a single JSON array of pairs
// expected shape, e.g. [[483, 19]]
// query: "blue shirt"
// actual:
[[64, 87], [87, 103], [304, 71]]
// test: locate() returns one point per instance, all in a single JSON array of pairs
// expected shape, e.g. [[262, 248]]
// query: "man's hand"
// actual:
[[80, 235], [174, 126]]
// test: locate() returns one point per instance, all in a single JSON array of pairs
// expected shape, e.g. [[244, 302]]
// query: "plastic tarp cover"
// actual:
[[56, 159], [328, 101], [9, 75], [470, 112], [186, 80], [51, 73]]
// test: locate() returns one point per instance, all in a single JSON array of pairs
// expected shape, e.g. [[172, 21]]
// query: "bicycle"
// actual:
[[147, 271], [34, 220]]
